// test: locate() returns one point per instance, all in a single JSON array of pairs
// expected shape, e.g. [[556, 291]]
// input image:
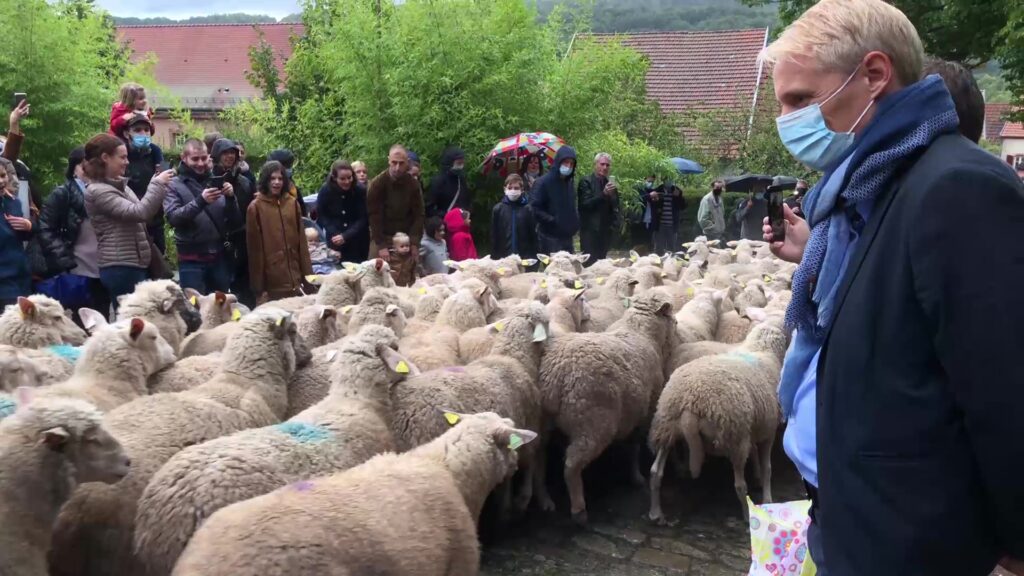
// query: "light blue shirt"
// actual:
[[801, 438]]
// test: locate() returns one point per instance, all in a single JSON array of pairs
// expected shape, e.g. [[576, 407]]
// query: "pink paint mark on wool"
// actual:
[[456, 369], [303, 486]]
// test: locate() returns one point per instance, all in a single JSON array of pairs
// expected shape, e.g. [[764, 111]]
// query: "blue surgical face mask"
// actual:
[[809, 139], [565, 170], [141, 141]]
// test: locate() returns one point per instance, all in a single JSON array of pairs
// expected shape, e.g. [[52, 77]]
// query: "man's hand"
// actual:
[[211, 195], [338, 240], [384, 254], [228, 190], [415, 251], [797, 234], [18, 223], [164, 177], [610, 189], [1015, 566], [19, 112], [263, 299], [654, 196]]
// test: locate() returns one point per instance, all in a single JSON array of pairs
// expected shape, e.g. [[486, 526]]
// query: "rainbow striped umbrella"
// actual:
[[509, 151]]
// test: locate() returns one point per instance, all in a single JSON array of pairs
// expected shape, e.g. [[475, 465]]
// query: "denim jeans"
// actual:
[[206, 277], [665, 240], [121, 280]]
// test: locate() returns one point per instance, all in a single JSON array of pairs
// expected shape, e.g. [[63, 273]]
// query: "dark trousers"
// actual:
[[814, 543], [206, 277], [550, 244], [99, 300], [665, 240], [595, 243], [121, 280]]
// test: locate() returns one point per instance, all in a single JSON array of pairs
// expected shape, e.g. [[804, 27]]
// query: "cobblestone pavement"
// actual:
[[710, 539]]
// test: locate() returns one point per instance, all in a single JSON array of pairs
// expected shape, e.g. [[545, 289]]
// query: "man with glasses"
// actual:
[[599, 209]]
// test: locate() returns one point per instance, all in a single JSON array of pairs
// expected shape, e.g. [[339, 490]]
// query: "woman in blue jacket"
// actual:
[[15, 279]]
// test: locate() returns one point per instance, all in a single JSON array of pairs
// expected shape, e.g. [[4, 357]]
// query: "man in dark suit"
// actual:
[[903, 388]]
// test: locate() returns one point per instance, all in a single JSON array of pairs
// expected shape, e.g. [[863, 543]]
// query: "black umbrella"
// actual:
[[781, 183], [747, 182]]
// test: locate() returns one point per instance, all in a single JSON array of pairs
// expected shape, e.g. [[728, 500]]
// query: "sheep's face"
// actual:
[[16, 370], [396, 320], [49, 315], [300, 355], [154, 350], [488, 439], [95, 455]]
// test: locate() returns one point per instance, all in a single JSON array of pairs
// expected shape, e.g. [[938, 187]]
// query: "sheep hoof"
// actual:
[[580, 518], [661, 521]]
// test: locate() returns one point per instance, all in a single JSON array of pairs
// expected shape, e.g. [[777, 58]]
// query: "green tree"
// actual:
[[64, 57]]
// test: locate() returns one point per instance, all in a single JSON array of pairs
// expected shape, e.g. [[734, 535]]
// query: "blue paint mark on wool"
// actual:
[[748, 358], [303, 432], [65, 351], [7, 407]]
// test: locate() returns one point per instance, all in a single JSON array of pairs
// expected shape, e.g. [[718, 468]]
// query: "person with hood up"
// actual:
[[449, 189], [279, 258], [227, 162], [203, 216], [513, 229], [599, 209], [553, 203], [460, 240], [341, 212], [287, 159]]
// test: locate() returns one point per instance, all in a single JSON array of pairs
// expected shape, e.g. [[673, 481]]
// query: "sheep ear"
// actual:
[[634, 255], [378, 264], [280, 327], [397, 363], [328, 312], [54, 438], [665, 309], [714, 243], [23, 396], [578, 294], [192, 294], [540, 333], [220, 298], [544, 259], [231, 298], [168, 305], [582, 258], [136, 328], [756, 314], [357, 275], [514, 438], [27, 307], [527, 262], [481, 292], [91, 319], [392, 310], [732, 244]]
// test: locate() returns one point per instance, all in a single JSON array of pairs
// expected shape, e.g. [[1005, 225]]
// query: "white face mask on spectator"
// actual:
[[513, 193]]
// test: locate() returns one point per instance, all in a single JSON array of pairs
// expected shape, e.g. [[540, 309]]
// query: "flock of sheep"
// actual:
[[365, 426]]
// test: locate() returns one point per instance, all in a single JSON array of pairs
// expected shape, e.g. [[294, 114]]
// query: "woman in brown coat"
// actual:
[[278, 255]]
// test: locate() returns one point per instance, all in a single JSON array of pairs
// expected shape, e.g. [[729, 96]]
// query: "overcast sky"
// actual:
[[186, 8]]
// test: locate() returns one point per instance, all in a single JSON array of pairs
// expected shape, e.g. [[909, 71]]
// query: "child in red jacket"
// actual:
[[133, 100], [460, 241]]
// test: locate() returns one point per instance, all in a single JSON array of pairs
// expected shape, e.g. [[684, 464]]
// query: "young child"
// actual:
[[513, 230], [133, 100], [433, 250], [15, 279], [460, 240], [403, 268], [324, 259]]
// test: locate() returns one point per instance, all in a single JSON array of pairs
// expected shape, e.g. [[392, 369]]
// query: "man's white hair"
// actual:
[[603, 156], [837, 34]]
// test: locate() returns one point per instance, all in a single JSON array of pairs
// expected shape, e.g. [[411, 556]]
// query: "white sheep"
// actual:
[[723, 405], [377, 274], [467, 308], [215, 308], [734, 323], [160, 302], [348, 427], [337, 289], [567, 310], [377, 306], [17, 370], [47, 448], [699, 318], [597, 388], [614, 295], [94, 531], [505, 382], [36, 322], [412, 513], [115, 365]]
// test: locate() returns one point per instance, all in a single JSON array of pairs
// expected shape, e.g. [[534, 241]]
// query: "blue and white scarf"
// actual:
[[905, 123]]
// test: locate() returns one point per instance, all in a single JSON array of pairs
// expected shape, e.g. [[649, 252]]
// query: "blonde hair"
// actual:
[[839, 33], [400, 238], [130, 92], [312, 235], [358, 164]]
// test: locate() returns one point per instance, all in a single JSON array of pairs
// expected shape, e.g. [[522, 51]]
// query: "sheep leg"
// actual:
[[678, 466], [657, 474], [525, 491], [739, 465], [580, 453], [765, 450], [635, 475], [540, 475], [755, 462]]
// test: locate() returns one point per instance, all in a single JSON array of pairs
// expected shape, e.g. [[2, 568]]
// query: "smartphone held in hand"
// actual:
[[19, 97], [776, 216]]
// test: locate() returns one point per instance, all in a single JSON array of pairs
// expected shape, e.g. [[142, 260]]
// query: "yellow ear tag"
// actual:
[[449, 263], [577, 284], [633, 258], [502, 270], [499, 326], [733, 252], [280, 322], [690, 291], [515, 442], [600, 280], [768, 278], [312, 278], [194, 301], [545, 261], [452, 419], [664, 274], [350, 266], [423, 291], [543, 283], [402, 367], [236, 315], [346, 309]]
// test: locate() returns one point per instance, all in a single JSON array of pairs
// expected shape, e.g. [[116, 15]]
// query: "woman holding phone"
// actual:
[[15, 279], [118, 215]]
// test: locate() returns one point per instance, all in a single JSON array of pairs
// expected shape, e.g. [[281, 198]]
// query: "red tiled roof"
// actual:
[[205, 64], [1012, 130], [994, 120], [699, 70]]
